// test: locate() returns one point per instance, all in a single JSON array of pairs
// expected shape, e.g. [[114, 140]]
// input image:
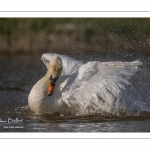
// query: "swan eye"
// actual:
[[53, 80]]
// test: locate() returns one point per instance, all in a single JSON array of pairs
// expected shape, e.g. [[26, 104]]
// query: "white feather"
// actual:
[[87, 88]]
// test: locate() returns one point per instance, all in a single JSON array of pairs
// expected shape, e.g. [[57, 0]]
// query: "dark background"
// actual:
[[74, 35]]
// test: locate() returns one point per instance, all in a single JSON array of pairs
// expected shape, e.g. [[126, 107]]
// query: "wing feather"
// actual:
[[98, 85]]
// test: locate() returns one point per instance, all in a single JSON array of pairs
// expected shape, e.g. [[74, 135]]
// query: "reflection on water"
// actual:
[[19, 74]]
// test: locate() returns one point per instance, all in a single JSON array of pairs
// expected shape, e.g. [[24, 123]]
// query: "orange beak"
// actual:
[[50, 89]]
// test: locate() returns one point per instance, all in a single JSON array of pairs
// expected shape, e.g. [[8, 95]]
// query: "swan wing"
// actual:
[[99, 86], [70, 66]]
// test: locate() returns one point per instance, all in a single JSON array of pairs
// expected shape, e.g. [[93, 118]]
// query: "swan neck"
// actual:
[[47, 75]]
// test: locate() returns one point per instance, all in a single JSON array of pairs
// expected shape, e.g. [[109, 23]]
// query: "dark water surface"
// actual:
[[17, 76]]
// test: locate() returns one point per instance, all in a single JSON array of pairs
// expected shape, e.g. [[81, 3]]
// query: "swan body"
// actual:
[[85, 88]]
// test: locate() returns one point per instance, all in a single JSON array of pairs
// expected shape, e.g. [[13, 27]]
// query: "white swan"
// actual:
[[84, 88]]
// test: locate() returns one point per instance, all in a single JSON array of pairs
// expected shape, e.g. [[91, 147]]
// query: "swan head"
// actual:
[[54, 72]]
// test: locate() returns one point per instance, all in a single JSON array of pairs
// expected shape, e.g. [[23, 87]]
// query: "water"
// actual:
[[20, 73]]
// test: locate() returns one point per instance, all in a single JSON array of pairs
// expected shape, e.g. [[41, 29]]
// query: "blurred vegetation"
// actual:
[[74, 35]]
